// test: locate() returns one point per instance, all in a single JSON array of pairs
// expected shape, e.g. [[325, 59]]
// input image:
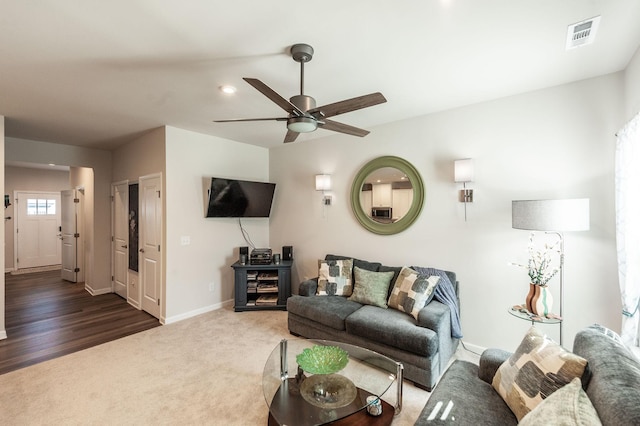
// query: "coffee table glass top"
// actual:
[[297, 397]]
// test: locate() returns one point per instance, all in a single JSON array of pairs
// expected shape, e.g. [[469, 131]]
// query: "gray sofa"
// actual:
[[611, 382], [424, 346]]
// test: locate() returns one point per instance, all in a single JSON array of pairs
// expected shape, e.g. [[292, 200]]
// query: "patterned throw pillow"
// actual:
[[412, 291], [569, 405], [371, 288], [334, 277], [538, 368]]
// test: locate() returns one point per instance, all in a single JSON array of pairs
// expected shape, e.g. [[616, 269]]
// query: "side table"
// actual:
[[521, 312]]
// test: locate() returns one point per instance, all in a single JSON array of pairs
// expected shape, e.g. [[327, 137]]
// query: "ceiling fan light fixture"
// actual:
[[302, 124]]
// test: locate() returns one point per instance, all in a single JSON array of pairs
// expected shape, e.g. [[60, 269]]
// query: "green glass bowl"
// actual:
[[322, 359]]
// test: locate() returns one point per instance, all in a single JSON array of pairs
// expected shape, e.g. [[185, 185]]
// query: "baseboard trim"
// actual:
[[199, 311], [3, 334], [98, 292]]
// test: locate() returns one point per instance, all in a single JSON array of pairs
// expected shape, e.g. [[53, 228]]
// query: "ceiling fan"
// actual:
[[304, 116]]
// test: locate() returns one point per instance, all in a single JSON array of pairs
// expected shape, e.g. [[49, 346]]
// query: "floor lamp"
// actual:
[[552, 217]]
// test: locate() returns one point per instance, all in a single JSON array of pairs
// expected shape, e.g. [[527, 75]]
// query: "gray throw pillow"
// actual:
[[371, 288], [569, 405]]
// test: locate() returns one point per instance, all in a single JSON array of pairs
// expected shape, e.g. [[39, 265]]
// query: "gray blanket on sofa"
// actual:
[[446, 294]]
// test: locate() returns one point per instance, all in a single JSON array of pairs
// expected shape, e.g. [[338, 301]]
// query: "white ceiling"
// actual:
[[96, 73]]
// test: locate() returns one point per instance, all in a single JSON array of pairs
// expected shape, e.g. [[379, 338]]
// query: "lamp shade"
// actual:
[[551, 215], [463, 170], [323, 182]]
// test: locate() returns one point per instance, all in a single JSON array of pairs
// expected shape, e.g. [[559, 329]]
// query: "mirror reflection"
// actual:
[[386, 195]]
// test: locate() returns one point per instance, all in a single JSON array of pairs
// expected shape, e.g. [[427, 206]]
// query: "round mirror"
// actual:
[[387, 195]]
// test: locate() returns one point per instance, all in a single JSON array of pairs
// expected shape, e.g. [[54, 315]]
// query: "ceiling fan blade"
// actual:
[[231, 120], [343, 128], [348, 105], [290, 136], [271, 94]]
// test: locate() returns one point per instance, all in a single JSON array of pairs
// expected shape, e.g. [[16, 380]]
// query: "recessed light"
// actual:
[[52, 165], [227, 89]]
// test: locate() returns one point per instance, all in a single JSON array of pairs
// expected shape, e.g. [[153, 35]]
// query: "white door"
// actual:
[[37, 229], [120, 239], [71, 235], [150, 243]]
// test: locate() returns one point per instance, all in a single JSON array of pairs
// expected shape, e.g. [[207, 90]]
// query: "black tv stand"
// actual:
[[262, 287]]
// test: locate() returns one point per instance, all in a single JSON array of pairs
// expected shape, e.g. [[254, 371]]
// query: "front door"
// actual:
[[120, 238], [37, 229], [150, 243]]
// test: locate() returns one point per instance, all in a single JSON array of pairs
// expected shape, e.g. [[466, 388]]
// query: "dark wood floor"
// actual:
[[46, 317]]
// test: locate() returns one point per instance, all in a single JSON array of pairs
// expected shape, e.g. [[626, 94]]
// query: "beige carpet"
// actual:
[[206, 370]]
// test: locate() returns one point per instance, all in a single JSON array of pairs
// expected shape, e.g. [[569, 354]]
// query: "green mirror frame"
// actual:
[[416, 205]]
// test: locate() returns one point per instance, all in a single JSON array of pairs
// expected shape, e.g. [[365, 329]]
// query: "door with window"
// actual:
[[37, 229]]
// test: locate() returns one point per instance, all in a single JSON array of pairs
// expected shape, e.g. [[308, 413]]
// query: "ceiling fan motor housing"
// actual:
[[304, 102]]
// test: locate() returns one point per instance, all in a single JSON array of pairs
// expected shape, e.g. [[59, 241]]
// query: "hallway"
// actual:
[[47, 317]]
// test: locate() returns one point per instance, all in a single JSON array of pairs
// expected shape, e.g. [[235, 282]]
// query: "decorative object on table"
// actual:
[[322, 359], [539, 268], [374, 406], [328, 390], [325, 389], [554, 217], [542, 301]]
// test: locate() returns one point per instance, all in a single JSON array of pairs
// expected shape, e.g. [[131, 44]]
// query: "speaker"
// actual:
[[287, 252], [244, 251]]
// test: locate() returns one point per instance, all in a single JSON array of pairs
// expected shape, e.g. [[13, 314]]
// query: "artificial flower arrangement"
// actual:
[[539, 266]]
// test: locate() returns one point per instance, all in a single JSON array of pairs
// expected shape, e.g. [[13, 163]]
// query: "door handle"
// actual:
[[124, 246], [141, 250]]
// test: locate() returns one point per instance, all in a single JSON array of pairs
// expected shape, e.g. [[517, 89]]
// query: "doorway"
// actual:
[[37, 229]]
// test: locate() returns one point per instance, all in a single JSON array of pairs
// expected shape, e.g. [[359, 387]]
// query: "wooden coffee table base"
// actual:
[[360, 418]]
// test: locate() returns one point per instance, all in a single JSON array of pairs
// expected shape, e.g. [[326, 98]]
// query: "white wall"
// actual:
[[190, 269], [632, 87], [553, 143]]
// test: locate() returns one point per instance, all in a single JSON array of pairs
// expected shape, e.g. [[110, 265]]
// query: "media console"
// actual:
[[260, 287]]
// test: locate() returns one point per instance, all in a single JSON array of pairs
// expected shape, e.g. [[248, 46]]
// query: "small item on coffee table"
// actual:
[[322, 359], [374, 406]]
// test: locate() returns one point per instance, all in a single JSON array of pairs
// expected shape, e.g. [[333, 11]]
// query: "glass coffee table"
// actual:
[[346, 397]]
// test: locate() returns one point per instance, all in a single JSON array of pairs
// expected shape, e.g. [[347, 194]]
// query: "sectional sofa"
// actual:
[[607, 392]]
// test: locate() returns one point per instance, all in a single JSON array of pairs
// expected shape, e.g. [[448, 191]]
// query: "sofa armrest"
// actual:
[[435, 316], [308, 287], [490, 361]]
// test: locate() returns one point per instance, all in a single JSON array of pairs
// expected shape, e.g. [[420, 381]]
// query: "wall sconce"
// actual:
[[464, 172], [323, 183]]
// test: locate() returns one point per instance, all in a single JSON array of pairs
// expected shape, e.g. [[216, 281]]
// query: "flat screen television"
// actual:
[[239, 198]]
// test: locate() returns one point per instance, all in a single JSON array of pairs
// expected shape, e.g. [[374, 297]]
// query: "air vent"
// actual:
[[582, 33]]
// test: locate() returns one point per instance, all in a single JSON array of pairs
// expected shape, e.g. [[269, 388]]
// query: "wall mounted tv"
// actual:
[[238, 198]]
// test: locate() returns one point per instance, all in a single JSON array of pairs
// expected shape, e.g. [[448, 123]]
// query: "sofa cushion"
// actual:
[[537, 368], [335, 277], [569, 405], [393, 328], [412, 291], [330, 311], [371, 288], [470, 400], [614, 371]]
